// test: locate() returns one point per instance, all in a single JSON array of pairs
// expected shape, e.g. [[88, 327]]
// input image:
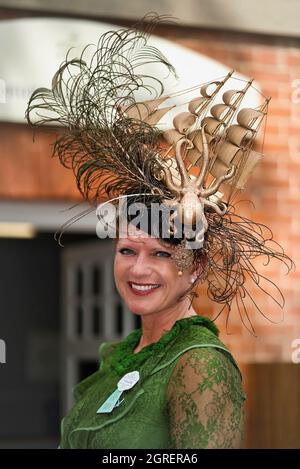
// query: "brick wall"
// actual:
[[27, 170]]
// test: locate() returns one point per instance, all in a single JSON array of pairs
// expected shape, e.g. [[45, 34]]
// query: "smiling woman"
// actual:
[[183, 386], [171, 383], [148, 281]]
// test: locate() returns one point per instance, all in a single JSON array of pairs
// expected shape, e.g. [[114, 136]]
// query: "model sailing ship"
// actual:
[[213, 144]]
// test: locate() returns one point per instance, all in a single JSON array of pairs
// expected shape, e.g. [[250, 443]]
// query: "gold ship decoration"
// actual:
[[228, 143], [213, 145]]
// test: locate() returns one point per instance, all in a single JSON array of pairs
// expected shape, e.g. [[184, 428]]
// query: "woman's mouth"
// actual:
[[143, 289]]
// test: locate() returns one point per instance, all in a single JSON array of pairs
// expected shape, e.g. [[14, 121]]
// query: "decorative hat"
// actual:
[[119, 148]]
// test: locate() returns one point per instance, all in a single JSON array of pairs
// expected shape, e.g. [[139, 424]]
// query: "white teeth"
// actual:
[[143, 287]]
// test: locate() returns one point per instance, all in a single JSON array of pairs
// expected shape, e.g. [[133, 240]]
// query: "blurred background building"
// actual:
[[58, 304]]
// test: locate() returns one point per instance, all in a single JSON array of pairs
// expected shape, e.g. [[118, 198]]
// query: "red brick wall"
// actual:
[[27, 170]]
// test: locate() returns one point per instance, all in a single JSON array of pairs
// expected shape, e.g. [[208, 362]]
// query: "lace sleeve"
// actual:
[[205, 401]]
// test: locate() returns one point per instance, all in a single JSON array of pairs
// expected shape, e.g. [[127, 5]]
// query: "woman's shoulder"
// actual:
[[105, 351], [208, 368], [198, 333], [200, 355], [200, 343]]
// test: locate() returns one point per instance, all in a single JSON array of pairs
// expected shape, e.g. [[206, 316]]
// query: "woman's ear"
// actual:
[[200, 269], [195, 273]]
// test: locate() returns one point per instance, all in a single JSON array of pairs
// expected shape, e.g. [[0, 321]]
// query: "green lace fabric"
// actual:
[[189, 394]]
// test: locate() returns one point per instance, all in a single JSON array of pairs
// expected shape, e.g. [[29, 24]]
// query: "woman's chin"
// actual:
[[140, 308]]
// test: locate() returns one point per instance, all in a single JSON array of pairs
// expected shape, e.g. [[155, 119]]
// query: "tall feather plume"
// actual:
[[109, 152]]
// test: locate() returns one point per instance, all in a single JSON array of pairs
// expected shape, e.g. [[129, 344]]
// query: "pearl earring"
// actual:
[[179, 273]]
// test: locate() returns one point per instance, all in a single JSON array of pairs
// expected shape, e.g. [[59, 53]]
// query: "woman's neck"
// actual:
[[155, 325]]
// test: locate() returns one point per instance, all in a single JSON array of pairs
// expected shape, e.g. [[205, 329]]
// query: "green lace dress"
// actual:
[[189, 394]]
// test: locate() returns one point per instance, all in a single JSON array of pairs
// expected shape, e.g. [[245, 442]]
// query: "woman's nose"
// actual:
[[140, 266]]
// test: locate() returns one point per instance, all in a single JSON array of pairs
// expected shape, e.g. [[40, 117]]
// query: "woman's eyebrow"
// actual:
[[133, 243], [129, 241], [161, 248]]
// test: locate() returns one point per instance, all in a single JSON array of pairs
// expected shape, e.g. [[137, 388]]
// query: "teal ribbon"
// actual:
[[111, 402]]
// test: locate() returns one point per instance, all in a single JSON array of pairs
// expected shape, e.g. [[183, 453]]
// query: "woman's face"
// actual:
[[145, 275]]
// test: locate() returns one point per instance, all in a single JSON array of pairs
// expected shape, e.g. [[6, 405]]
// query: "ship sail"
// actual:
[[216, 124], [186, 122], [237, 150], [229, 143], [146, 111]]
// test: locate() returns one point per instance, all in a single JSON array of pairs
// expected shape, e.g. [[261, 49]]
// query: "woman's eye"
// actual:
[[125, 251], [163, 254]]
